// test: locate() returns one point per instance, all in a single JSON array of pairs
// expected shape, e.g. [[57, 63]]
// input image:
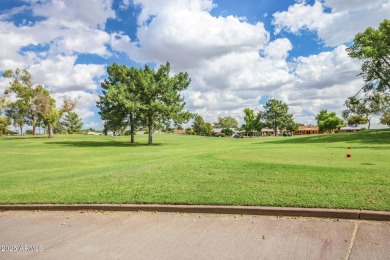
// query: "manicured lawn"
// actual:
[[309, 171]]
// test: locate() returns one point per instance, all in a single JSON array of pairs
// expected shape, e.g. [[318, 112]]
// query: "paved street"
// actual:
[[145, 235]]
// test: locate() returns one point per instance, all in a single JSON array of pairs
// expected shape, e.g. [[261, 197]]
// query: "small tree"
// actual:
[[199, 125], [48, 112], [385, 119], [227, 131], [4, 121], [328, 122], [250, 121], [226, 122], [189, 131], [4, 124], [356, 120], [276, 115], [72, 123], [365, 106]]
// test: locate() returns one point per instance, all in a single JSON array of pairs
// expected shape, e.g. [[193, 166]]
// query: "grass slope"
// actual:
[[302, 171]]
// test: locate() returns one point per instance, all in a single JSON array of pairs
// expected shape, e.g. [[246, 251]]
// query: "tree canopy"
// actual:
[[33, 104], [226, 122], [276, 116], [72, 123], [364, 106], [252, 121], [200, 127], [385, 119], [147, 97], [120, 103], [372, 47], [328, 122]]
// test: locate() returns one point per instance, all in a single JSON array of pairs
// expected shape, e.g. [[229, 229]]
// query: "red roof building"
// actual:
[[307, 130]]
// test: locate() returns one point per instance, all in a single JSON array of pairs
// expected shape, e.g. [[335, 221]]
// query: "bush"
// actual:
[[128, 132], [227, 131]]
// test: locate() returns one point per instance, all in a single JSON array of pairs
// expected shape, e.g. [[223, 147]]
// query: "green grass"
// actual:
[[301, 171]]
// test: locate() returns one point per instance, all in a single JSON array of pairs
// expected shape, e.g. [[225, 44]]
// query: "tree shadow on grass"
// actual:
[[102, 144], [379, 137], [22, 137]]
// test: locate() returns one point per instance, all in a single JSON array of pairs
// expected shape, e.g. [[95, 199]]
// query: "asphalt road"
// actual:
[[146, 235]]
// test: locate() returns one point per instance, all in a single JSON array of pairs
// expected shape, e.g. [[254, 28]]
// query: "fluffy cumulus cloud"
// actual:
[[321, 81], [84, 101], [337, 26], [61, 74], [49, 43], [185, 33], [231, 62]]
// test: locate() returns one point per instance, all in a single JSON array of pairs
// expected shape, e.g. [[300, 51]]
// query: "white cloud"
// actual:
[[60, 73], [336, 27], [84, 102], [187, 34], [322, 81], [68, 27], [326, 69], [75, 13]]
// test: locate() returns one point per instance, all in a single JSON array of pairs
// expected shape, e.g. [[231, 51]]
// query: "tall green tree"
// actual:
[[226, 122], [120, 103], [276, 115], [365, 106], [72, 123], [199, 125], [160, 96], [328, 122], [372, 47]]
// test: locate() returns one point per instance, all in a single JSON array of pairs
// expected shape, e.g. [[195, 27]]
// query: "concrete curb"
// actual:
[[241, 210]]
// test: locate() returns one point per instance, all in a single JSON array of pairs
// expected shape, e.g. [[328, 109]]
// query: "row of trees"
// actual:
[[275, 115], [142, 97], [30, 104]]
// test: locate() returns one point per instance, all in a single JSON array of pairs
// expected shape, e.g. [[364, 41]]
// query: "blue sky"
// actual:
[[238, 53]]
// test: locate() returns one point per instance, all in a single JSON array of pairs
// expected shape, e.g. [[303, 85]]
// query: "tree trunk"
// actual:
[[132, 128], [150, 140], [21, 130], [50, 131], [150, 127], [275, 126], [33, 127], [369, 124]]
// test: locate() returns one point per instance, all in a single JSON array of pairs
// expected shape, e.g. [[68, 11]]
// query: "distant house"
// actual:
[[349, 129], [267, 131], [219, 130], [180, 132], [307, 130]]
